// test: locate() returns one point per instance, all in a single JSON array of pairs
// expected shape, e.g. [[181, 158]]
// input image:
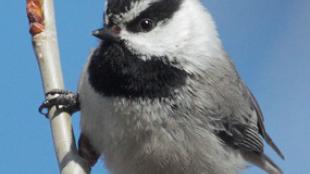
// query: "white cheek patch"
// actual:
[[165, 39], [190, 37]]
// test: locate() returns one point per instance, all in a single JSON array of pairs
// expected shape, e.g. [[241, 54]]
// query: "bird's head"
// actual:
[[180, 30]]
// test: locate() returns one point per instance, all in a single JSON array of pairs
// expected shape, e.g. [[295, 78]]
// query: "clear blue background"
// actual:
[[267, 39]]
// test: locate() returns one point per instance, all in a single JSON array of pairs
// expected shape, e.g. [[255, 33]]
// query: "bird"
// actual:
[[160, 95]]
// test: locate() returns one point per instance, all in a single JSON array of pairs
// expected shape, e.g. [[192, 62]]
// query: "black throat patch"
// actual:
[[115, 71]]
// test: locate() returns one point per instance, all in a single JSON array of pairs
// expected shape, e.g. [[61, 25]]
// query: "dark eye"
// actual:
[[146, 25]]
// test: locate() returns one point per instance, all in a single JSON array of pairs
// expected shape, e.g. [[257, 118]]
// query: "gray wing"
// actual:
[[247, 137], [261, 127]]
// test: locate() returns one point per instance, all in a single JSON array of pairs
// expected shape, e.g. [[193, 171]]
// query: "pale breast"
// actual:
[[161, 136]]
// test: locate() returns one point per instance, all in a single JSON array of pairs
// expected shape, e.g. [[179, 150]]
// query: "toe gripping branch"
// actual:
[[64, 100]]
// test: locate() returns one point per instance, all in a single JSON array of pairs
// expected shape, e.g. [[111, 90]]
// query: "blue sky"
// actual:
[[268, 41]]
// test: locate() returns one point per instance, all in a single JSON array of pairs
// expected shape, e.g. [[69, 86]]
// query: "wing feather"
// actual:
[[247, 137]]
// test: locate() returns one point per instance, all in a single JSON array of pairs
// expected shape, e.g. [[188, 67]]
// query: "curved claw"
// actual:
[[67, 99], [44, 108]]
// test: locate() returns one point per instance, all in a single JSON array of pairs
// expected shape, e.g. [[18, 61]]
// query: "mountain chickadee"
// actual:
[[160, 95]]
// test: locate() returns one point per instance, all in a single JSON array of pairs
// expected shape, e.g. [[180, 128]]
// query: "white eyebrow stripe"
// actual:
[[136, 8]]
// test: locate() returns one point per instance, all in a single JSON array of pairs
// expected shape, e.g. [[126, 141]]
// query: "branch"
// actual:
[[44, 38]]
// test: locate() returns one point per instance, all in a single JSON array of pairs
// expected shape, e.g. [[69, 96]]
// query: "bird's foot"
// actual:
[[87, 151], [64, 100]]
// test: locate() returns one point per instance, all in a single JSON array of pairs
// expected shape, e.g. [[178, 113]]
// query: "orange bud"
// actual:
[[35, 16]]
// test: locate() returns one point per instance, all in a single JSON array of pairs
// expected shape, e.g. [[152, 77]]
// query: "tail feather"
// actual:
[[273, 145], [264, 162]]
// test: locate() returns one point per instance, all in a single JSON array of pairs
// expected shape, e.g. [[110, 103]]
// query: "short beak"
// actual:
[[99, 33]]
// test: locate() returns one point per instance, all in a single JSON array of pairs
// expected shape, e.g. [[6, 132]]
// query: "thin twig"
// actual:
[[44, 38]]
